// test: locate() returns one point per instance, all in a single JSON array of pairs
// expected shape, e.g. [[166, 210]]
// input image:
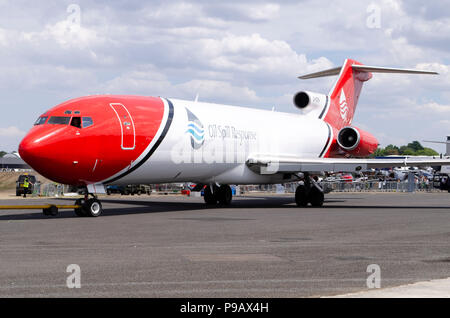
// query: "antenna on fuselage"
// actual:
[[196, 98]]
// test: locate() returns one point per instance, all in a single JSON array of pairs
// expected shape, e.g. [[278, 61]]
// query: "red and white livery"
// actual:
[[100, 140]]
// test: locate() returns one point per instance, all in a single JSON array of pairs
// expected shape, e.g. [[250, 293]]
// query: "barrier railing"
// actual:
[[52, 189], [362, 186], [377, 186]]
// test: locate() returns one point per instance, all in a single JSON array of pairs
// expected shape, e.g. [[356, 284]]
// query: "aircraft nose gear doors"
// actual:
[[214, 194], [309, 192]]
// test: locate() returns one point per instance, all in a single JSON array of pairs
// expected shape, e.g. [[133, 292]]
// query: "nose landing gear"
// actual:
[[89, 207], [309, 192]]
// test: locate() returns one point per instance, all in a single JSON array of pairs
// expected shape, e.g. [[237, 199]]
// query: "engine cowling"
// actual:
[[356, 142], [309, 101]]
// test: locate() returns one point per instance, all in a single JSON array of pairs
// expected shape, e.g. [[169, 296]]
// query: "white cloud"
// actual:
[[11, 131], [435, 108], [219, 91], [243, 52], [264, 12], [148, 81]]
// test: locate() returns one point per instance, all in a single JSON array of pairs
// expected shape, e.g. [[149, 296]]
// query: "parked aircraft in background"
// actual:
[[103, 140]]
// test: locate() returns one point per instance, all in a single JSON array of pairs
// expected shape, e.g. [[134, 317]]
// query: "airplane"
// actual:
[[100, 140]]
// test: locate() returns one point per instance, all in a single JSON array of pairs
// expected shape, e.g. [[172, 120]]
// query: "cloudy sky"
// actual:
[[244, 52]]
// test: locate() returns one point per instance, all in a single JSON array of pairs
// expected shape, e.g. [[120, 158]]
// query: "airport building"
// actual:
[[12, 161]]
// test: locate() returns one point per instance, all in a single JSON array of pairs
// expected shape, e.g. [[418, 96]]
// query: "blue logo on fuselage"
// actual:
[[195, 130]]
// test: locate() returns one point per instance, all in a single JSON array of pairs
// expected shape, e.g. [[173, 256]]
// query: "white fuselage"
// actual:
[[210, 143]]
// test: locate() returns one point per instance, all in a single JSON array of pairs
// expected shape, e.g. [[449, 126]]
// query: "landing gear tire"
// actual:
[[225, 194], [209, 196], [316, 197], [52, 210], [92, 207], [301, 196], [79, 211]]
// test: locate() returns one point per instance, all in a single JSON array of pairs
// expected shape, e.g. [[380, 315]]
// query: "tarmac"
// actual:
[[260, 246]]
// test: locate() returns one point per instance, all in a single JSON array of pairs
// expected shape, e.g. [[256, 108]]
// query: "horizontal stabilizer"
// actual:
[[377, 69], [366, 68], [330, 72]]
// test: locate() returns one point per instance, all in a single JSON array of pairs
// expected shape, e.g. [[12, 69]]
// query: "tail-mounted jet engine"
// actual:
[[356, 142], [310, 102]]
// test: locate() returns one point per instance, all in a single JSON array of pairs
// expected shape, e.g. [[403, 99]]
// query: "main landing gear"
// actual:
[[309, 192], [89, 207], [217, 194]]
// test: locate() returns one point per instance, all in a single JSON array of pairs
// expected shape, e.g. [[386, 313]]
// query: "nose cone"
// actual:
[[41, 148], [29, 150]]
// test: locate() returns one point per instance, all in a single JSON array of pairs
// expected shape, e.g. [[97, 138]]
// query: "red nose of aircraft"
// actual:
[[90, 139], [49, 151]]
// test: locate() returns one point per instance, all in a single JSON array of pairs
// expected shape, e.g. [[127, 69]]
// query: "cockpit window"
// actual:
[[67, 112], [41, 120], [76, 122], [87, 121], [59, 120]]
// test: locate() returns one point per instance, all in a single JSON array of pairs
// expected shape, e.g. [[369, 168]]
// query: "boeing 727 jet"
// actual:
[[93, 141]]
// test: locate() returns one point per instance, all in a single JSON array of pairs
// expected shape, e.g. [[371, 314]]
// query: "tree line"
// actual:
[[412, 149]]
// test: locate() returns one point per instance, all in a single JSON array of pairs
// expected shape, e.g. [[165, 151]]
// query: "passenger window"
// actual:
[[76, 122], [87, 121], [59, 120], [41, 120]]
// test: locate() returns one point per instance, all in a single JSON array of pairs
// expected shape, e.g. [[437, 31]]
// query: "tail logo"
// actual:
[[343, 106], [195, 130]]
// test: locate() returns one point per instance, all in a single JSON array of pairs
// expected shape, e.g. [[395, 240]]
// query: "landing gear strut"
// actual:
[[309, 192], [89, 207], [213, 194]]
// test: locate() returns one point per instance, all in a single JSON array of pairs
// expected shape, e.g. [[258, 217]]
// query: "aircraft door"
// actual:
[[126, 126]]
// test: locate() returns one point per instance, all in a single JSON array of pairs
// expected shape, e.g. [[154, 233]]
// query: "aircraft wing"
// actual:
[[267, 164]]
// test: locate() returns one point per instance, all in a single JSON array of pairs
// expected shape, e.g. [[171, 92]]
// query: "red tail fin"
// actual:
[[344, 95]]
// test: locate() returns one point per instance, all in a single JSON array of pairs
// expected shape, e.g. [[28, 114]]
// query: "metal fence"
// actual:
[[54, 189], [363, 186], [50, 189], [377, 186]]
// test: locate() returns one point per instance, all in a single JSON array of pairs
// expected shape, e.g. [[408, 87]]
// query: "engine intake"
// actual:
[[310, 102], [356, 142], [301, 100], [348, 138]]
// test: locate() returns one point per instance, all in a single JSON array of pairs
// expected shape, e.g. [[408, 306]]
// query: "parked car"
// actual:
[[114, 189]]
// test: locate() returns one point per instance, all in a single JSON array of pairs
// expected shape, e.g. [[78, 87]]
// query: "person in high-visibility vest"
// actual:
[[26, 184]]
